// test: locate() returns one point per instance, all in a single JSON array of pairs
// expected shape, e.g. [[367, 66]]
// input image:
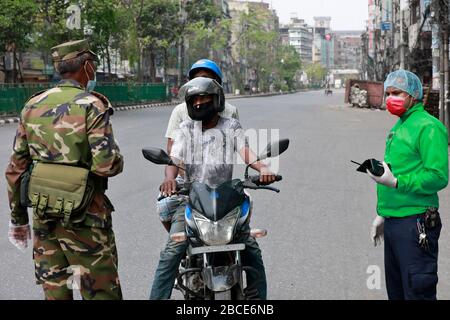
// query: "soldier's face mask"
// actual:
[[91, 83]]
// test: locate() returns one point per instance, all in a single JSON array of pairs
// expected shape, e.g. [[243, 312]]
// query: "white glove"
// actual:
[[19, 236], [377, 230], [386, 179]]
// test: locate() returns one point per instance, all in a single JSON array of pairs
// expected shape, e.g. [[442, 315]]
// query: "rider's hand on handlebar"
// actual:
[[168, 187], [266, 176]]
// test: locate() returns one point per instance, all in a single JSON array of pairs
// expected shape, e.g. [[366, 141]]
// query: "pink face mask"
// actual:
[[395, 105]]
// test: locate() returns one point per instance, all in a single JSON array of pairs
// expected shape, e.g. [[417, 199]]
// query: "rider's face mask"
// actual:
[[203, 111], [91, 83]]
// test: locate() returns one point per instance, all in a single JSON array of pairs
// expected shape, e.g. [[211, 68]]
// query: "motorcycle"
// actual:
[[217, 224]]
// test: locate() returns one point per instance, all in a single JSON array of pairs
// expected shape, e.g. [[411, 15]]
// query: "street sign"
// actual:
[[385, 26]]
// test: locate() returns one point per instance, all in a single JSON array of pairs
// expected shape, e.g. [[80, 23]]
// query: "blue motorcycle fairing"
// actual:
[[245, 212], [245, 207], [215, 203]]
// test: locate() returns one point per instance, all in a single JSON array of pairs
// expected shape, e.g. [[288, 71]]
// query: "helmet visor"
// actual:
[[199, 86]]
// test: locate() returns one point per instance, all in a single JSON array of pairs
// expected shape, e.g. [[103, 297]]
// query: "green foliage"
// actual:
[[148, 34], [204, 11], [102, 17], [258, 46], [207, 42], [50, 25], [16, 23], [316, 72], [158, 23], [289, 65]]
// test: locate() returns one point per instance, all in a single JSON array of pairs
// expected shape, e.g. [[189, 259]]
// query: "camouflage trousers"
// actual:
[[82, 258]]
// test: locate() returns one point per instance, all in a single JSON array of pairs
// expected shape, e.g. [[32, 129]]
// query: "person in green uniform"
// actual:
[[415, 170]]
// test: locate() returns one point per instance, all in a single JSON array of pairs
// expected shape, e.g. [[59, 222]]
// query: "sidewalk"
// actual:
[[174, 102]]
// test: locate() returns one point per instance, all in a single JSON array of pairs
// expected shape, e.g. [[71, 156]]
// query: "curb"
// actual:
[[9, 121], [261, 95], [167, 104], [136, 107], [145, 106]]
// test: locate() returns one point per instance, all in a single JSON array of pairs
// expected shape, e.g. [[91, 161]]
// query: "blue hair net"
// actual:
[[405, 81]]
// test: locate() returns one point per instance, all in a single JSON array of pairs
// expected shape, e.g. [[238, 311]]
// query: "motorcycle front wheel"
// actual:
[[224, 295]]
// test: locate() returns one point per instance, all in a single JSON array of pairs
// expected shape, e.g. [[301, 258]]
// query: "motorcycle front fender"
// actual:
[[219, 279]]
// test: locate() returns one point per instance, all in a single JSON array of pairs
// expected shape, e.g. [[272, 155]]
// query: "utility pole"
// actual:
[[393, 32], [446, 38], [435, 45], [182, 17], [441, 16], [402, 43]]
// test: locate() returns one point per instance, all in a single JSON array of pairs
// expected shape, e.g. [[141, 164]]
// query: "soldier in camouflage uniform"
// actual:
[[69, 125]]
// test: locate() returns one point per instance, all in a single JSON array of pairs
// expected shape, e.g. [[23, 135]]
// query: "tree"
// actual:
[[316, 72], [289, 63], [205, 11], [158, 29], [203, 28], [100, 24], [16, 25], [153, 29], [207, 42], [104, 19], [50, 26], [256, 48]]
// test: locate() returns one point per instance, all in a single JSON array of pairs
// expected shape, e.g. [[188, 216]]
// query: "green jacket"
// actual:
[[417, 150]]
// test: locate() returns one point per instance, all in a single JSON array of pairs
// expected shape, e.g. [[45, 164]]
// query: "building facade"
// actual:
[[323, 43], [301, 37], [348, 49], [242, 67], [398, 35]]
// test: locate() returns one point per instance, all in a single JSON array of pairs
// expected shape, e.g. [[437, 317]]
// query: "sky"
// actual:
[[345, 14]]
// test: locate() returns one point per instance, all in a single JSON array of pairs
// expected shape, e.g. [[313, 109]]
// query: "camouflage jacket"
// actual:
[[65, 125]]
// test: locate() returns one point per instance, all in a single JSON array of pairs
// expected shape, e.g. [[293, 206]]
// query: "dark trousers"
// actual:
[[411, 271]]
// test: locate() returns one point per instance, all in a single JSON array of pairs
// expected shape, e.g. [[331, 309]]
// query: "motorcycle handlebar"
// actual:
[[255, 180], [183, 189]]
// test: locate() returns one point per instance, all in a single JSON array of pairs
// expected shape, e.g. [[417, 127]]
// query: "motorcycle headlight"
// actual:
[[216, 233]]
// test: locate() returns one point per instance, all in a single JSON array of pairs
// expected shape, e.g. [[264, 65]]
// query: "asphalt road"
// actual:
[[318, 245]]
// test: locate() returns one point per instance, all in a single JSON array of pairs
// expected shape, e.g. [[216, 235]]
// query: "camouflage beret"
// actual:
[[70, 50]]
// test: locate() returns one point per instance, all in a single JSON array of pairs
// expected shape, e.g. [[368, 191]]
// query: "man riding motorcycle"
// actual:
[[198, 138], [167, 207]]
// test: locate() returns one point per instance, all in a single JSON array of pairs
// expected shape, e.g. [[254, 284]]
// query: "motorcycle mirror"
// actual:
[[157, 156], [274, 149]]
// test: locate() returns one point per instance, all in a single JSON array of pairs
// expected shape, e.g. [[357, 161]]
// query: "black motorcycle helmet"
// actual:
[[203, 87]]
